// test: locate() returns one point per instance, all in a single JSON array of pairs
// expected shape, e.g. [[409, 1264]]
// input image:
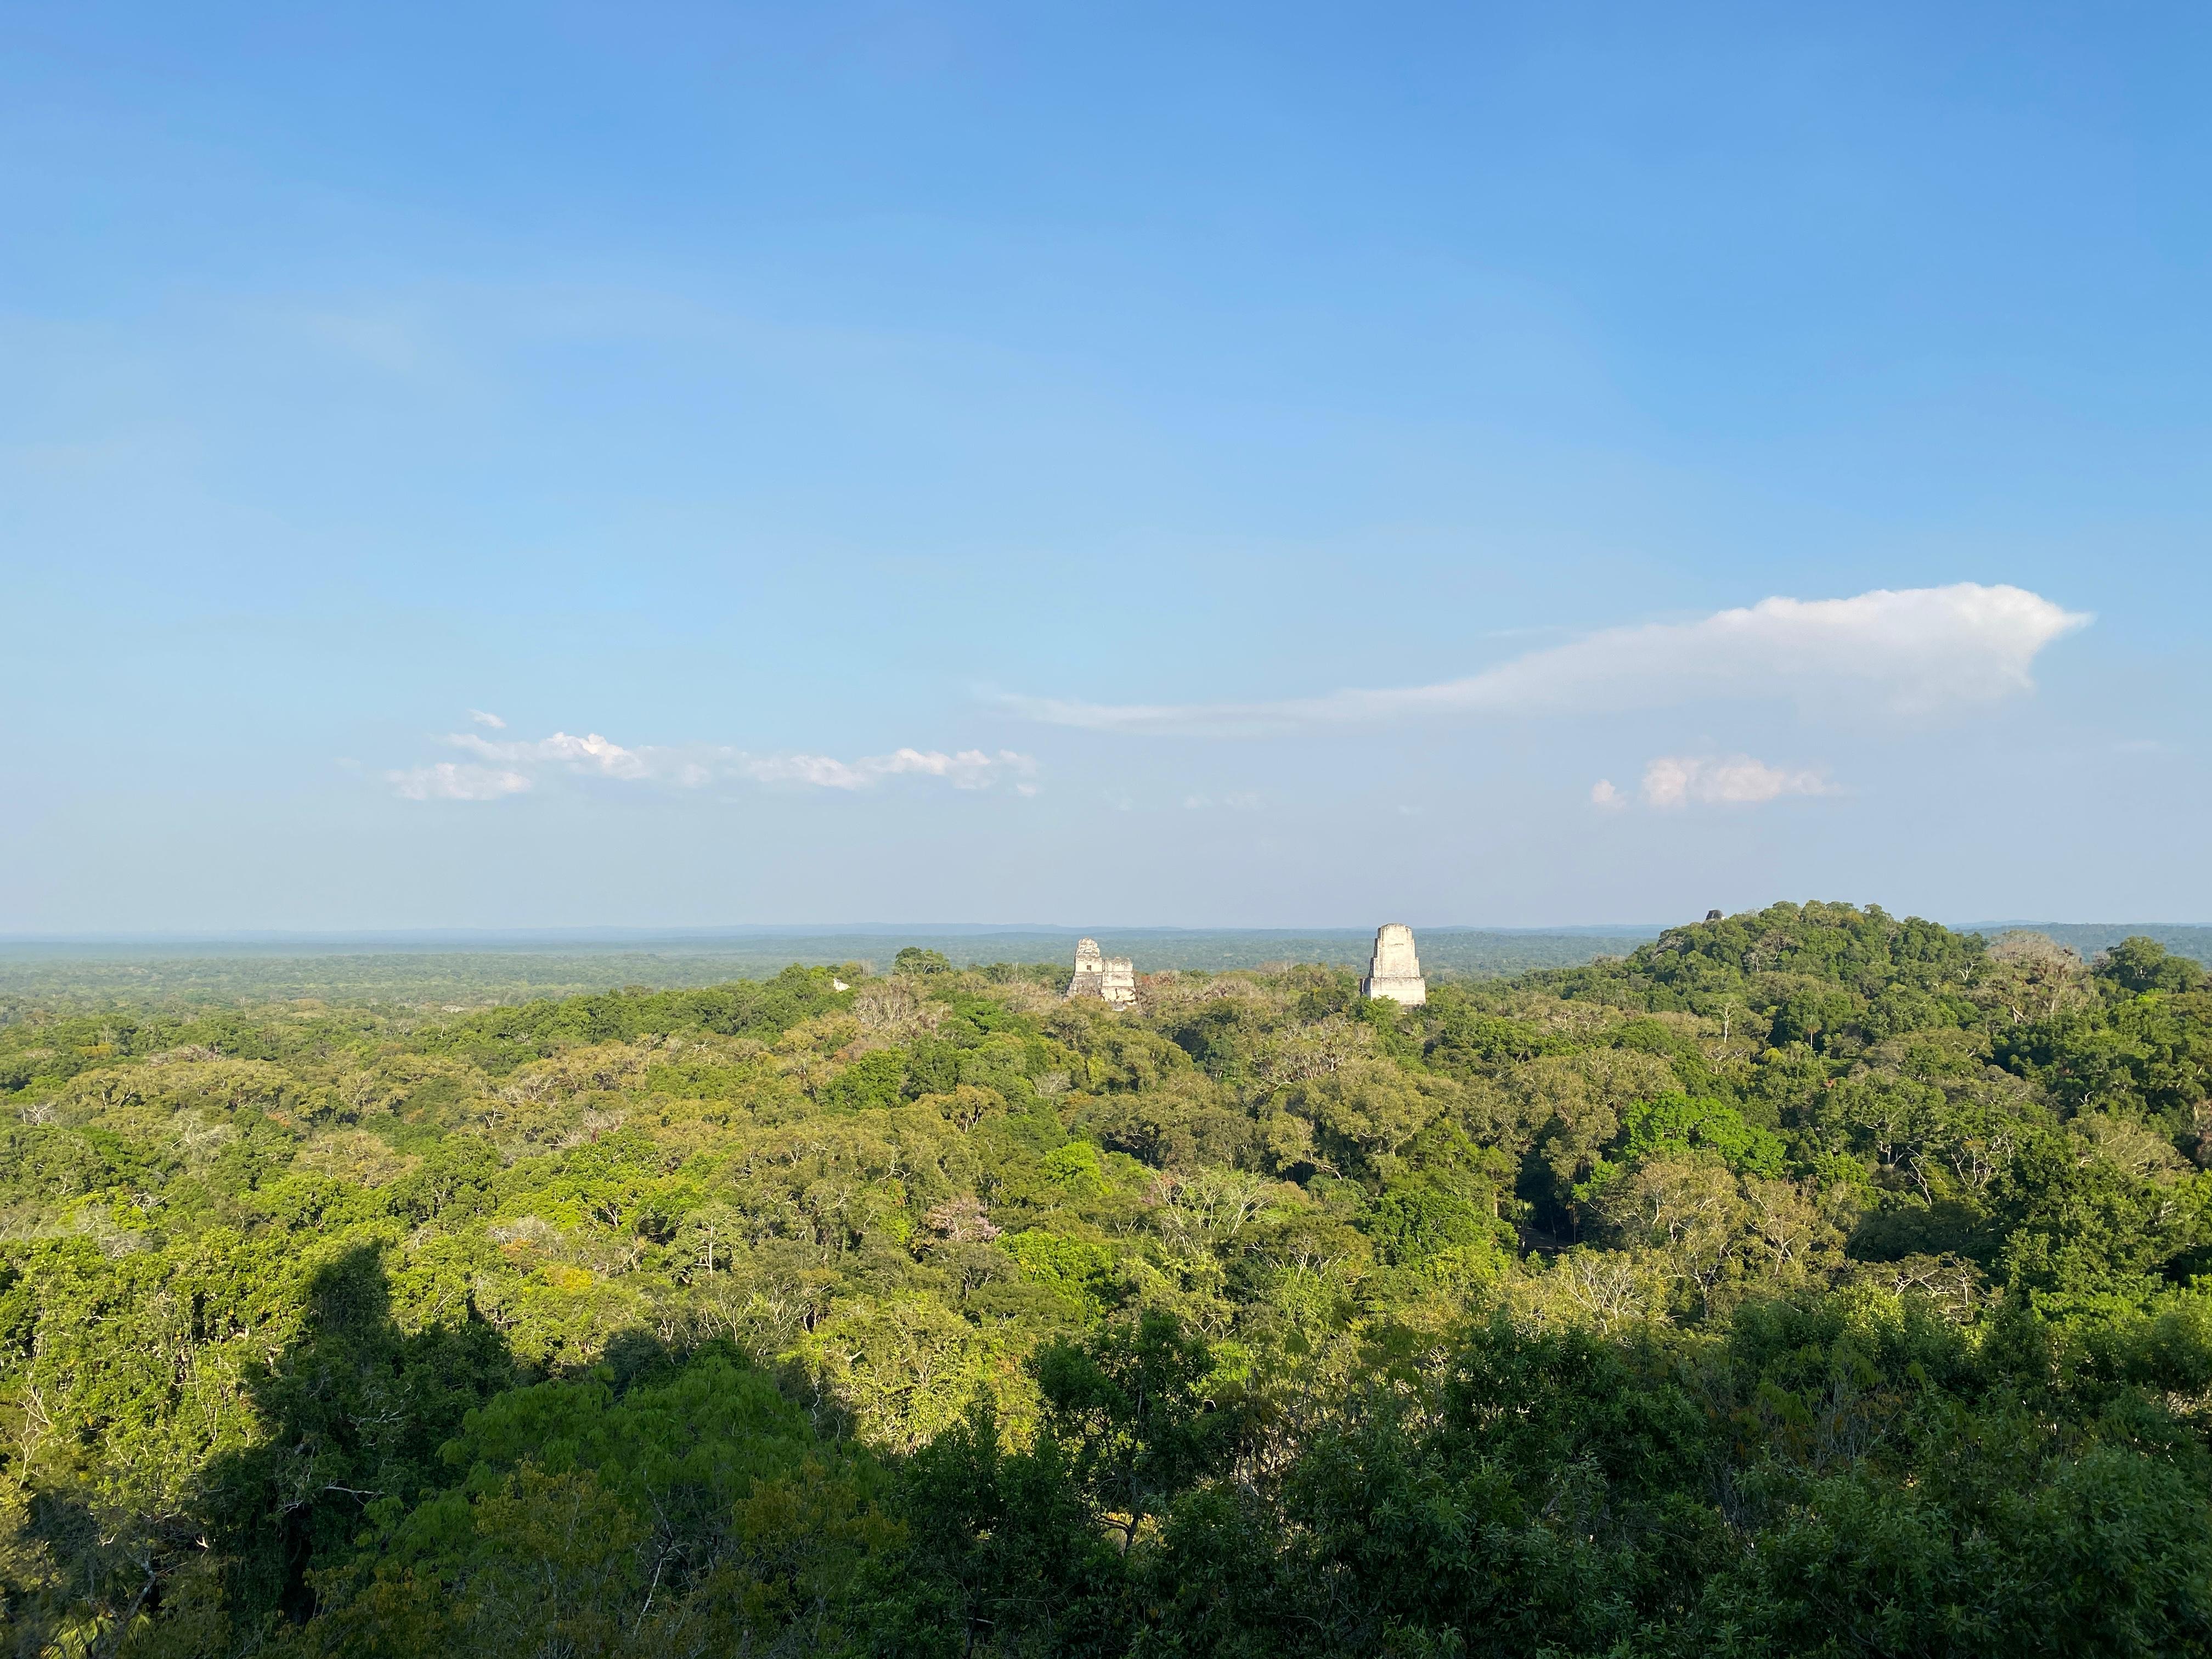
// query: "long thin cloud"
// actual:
[[449, 780], [1910, 649], [509, 766]]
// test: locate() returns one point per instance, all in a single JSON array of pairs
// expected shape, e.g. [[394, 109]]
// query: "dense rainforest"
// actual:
[[1808, 1281]]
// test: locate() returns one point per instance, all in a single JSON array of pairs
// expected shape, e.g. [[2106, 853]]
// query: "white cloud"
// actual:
[[1676, 781], [969, 768], [509, 765], [1604, 796], [1910, 650], [818, 770], [590, 753], [483, 719], [448, 780]]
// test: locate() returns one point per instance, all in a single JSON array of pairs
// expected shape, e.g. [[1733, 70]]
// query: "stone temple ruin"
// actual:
[[1395, 972], [1113, 980]]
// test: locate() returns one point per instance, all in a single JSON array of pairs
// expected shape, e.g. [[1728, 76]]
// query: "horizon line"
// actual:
[[765, 931]]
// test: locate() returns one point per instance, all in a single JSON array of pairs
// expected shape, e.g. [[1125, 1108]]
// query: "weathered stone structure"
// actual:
[[1113, 980], [1395, 972]]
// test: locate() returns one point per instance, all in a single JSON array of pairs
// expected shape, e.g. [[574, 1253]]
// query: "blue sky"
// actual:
[[659, 464]]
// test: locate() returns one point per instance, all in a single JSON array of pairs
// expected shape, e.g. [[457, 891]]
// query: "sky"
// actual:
[[1208, 464]]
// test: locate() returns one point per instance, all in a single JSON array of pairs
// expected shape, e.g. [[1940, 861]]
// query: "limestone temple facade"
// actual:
[[1395, 972], [1113, 980]]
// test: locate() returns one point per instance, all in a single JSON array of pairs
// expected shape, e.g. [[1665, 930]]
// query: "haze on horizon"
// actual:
[[667, 466]]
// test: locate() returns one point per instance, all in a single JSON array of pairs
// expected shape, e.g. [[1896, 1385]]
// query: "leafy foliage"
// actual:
[[1806, 1281]]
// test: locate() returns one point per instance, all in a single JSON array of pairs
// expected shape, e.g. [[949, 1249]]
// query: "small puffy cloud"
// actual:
[[483, 719], [1676, 781], [1604, 796], [1911, 650], [449, 780], [593, 753]]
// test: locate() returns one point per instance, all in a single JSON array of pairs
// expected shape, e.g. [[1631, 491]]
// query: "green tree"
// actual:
[[1141, 1413], [2138, 965]]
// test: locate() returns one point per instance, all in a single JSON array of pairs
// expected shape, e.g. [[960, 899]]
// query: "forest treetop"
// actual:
[[939, 1309]]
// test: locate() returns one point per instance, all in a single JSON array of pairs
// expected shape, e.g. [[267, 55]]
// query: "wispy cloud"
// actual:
[[592, 753], [483, 719], [448, 780], [1911, 650], [1677, 781], [969, 768], [1605, 798], [507, 765]]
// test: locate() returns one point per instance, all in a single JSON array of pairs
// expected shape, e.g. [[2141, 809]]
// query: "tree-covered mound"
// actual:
[[1808, 1282]]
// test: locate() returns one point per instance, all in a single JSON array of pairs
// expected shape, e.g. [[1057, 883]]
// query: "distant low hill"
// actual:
[[472, 968], [2090, 937], [468, 968]]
